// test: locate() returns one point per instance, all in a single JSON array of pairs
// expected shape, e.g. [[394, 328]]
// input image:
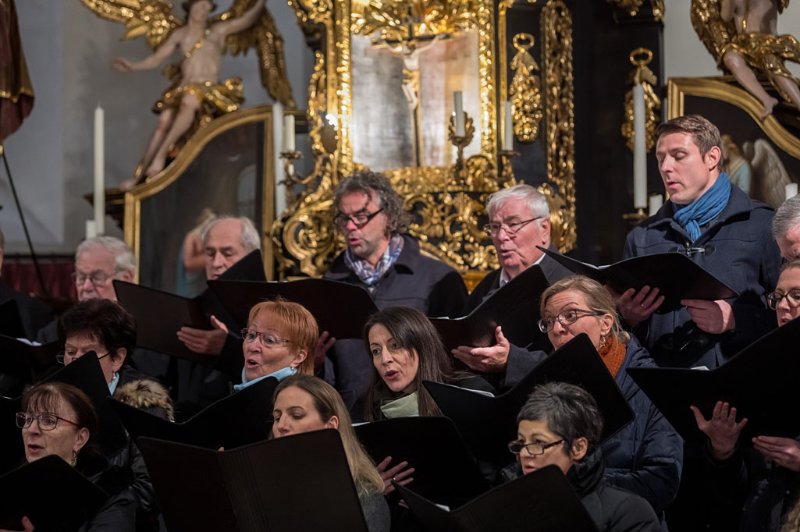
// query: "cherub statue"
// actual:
[[196, 94], [742, 35]]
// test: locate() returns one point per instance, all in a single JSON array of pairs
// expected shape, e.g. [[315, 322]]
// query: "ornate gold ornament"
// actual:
[[525, 92], [633, 7], [446, 201], [640, 58]]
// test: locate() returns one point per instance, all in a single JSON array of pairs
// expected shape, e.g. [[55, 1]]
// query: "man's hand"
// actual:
[[785, 452], [324, 343], [722, 429], [713, 317], [202, 341], [637, 306], [400, 473], [485, 359]]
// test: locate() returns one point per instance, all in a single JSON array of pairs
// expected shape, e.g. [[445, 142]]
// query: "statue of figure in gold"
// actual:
[[742, 35], [196, 94]]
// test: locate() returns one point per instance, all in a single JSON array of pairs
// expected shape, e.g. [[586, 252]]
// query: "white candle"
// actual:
[[655, 203], [791, 190], [508, 127], [458, 106], [639, 150], [288, 132], [99, 172], [91, 231], [277, 144]]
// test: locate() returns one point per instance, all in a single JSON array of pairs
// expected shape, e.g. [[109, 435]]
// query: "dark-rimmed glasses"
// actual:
[[792, 298], [267, 340], [63, 356], [511, 229], [536, 448], [46, 420], [566, 318], [359, 219]]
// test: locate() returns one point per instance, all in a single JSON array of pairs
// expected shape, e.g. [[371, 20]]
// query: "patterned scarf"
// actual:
[[613, 352], [364, 270], [705, 208]]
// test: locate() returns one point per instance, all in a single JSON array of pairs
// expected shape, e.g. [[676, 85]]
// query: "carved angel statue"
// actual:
[[742, 35], [196, 94], [757, 169]]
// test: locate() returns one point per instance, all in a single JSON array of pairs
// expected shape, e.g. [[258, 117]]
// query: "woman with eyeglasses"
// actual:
[[279, 341], [765, 484], [303, 403], [560, 424], [59, 419], [646, 456]]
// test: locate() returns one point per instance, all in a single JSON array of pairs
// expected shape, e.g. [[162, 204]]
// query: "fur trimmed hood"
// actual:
[[147, 395]]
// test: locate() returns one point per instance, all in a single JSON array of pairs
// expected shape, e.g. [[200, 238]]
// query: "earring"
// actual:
[[74, 460], [603, 340]]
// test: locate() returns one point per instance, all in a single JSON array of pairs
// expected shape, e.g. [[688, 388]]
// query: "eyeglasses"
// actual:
[[267, 340], [63, 356], [566, 318], [511, 229], [46, 420], [359, 219], [536, 448], [792, 298], [96, 277]]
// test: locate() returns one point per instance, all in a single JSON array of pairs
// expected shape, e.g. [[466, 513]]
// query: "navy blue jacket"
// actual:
[[738, 249], [646, 456]]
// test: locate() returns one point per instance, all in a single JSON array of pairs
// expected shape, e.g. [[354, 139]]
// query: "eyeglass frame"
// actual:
[[61, 356], [773, 300], [262, 338], [341, 219], [511, 229], [78, 278], [543, 446], [28, 418], [583, 313]]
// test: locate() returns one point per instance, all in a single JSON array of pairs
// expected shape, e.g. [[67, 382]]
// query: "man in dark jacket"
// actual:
[[519, 221], [719, 228], [389, 265]]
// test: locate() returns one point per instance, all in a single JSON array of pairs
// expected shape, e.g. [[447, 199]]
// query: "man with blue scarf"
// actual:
[[719, 227], [388, 264]]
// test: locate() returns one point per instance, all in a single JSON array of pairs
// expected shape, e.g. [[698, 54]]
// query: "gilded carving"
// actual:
[[640, 58], [633, 7], [525, 92]]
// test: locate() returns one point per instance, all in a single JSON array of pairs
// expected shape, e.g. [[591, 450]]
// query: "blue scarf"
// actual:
[[705, 208], [280, 375], [364, 271]]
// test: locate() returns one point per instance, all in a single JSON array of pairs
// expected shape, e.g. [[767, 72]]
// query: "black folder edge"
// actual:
[[27, 362], [359, 303], [507, 405], [477, 327], [598, 273], [144, 424], [562, 500], [457, 472], [328, 439], [773, 351], [69, 497]]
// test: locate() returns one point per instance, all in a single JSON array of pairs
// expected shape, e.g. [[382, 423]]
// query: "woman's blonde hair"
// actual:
[[295, 322], [597, 299], [329, 403]]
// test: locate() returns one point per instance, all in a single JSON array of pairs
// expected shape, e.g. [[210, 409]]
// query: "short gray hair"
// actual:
[[569, 411], [536, 202], [124, 261], [786, 217], [250, 238]]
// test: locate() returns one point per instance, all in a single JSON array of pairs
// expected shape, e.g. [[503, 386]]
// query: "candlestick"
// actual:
[[99, 172], [791, 190], [508, 127], [655, 202], [639, 149], [288, 132], [458, 106], [277, 144]]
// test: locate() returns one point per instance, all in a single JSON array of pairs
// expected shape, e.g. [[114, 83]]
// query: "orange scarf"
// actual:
[[613, 354]]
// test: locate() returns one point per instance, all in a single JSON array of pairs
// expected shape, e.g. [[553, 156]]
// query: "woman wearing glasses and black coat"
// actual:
[[59, 419], [646, 456]]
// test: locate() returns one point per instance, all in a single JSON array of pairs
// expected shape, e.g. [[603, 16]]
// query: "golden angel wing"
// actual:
[[152, 18], [715, 33], [266, 39]]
